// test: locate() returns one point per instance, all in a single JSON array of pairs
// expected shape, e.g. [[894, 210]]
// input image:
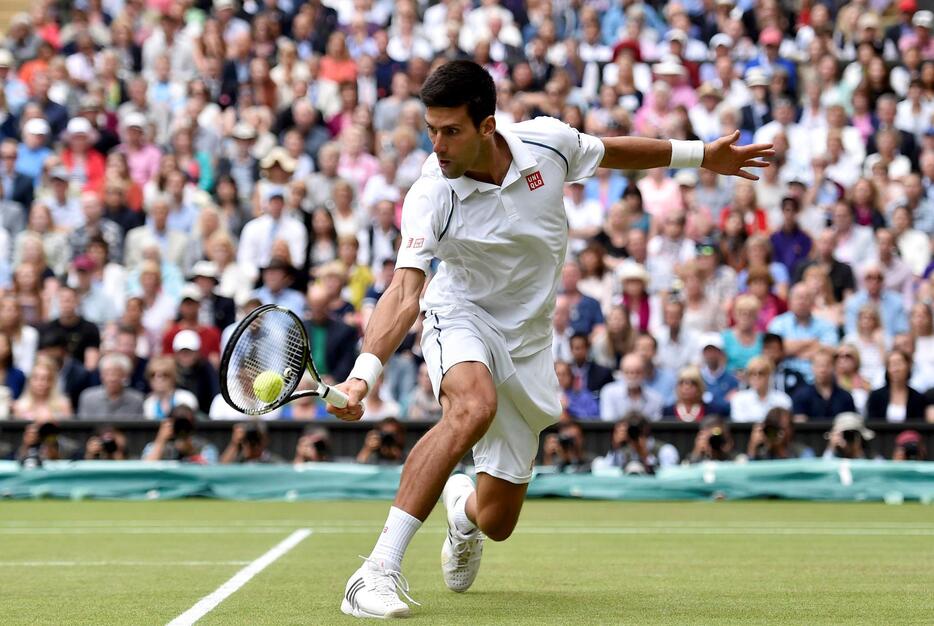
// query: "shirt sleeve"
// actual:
[[422, 223], [582, 152]]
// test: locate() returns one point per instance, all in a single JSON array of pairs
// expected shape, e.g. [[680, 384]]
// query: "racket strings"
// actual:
[[273, 342]]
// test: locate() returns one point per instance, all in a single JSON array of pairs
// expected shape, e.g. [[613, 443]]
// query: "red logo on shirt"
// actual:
[[535, 181], [415, 243]]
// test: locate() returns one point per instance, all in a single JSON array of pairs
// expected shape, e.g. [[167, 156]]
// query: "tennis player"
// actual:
[[488, 205]]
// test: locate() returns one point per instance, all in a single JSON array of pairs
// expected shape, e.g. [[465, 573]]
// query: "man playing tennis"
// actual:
[[489, 205]]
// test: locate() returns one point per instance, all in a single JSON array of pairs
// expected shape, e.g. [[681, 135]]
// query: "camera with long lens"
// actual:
[[566, 441], [633, 432], [716, 440], [386, 439], [108, 443]]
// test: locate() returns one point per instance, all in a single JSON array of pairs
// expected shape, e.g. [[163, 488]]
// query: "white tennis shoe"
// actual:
[[460, 553], [373, 591]]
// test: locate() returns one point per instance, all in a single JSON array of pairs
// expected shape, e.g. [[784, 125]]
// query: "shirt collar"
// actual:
[[522, 160]]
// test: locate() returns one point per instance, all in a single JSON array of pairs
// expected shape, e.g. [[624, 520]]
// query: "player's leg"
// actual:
[[468, 400], [495, 506]]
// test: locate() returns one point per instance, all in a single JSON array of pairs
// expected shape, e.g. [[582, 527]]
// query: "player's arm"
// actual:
[[722, 156]]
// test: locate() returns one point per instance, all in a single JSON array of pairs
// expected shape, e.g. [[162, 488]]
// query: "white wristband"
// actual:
[[686, 153], [367, 368]]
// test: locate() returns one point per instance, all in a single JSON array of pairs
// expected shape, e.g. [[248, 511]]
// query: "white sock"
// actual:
[[461, 522], [397, 533]]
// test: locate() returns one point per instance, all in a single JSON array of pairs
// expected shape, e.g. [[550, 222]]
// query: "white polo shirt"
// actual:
[[501, 247]]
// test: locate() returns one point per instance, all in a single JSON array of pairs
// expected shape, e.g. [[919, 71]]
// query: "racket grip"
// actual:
[[334, 397]]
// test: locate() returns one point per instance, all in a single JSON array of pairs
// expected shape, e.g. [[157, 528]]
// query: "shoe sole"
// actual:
[[349, 609]]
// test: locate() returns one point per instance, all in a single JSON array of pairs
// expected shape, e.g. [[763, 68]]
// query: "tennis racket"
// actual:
[[270, 341]]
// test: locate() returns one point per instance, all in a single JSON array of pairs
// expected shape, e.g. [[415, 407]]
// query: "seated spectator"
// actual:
[[773, 439], [658, 379], [802, 333], [176, 441], [42, 441], [720, 384], [173, 244], [909, 446], [113, 398], [597, 281], [825, 308], [159, 305], [586, 316], [786, 378], [565, 450], [423, 406], [689, 404], [379, 404], [635, 298], [189, 318], [385, 444], [846, 370], [249, 443], [759, 282], [234, 280], [195, 373], [701, 312], [824, 398], [577, 402], [106, 444], [870, 341], [216, 310], [841, 274], [634, 450], [277, 278], [334, 343], [165, 396], [73, 377], [314, 446], [743, 341], [751, 405], [848, 438], [42, 400], [791, 244], [677, 344], [758, 253], [896, 401], [616, 339], [587, 374], [23, 338], [255, 249], [11, 376], [630, 394], [889, 303], [713, 441]]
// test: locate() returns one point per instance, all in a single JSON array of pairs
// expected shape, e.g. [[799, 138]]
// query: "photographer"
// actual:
[[109, 444], [42, 442], [635, 450], [848, 438], [249, 444], [314, 446], [713, 441], [176, 441], [565, 450], [384, 444], [773, 439], [909, 446]]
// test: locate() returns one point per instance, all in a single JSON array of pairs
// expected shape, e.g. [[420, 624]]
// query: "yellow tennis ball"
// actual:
[[267, 386]]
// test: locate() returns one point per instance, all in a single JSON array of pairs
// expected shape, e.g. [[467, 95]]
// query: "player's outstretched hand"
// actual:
[[723, 156], [356, 391]]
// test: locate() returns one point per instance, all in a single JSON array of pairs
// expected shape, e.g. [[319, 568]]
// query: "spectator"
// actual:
[[113, 398], [791, 244], [176, 441], [823, 253], [669, 249], [314, 446], [630, 394], [636, 300], [660, 380], [616, 340], [125, 341], [333, 342], [909, 446], [689, 405], [587, 374], [871, 343], [424, 406], [15, 185], [677, 345], [586, 316], [825, 307], [634, 450], [744, 340], [12, 377], [848, 438], [165, 396], [24, 339], [249, 443], [277, 277], [896, 401], [824, 398], [73, 377], [82, 337], [42, 401], [889, 304], [565, 450], [380, 403], [42, 441], [216, 310], [720, 384], [106, 444], [189, 315], [255, 250], [701, 312], [713, 441], [759, 281], [847, 371], [384, 445], [577, 402], [802, 333], [751, 405], [172, 244], [773, 439], [195, 373]]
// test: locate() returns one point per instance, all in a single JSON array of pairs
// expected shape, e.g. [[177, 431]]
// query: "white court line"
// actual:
[[206, 604], [119, 563]]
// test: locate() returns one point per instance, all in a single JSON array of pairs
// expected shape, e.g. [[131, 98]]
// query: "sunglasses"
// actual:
[[758, 372], [687, 381], [161, 375]]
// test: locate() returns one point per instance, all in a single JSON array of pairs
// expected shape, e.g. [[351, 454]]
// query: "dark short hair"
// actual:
[[459, 83], [583, 336], [773, 338]]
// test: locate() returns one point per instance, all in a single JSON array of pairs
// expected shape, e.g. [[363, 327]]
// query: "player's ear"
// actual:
[[488, 126]]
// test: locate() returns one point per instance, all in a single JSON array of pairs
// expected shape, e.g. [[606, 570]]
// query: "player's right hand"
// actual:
[[356, 391]]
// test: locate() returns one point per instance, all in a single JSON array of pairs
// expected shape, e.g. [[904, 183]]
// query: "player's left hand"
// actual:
[[723, 156]]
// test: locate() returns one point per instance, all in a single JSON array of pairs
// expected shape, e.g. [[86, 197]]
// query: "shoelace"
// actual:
[[382, 586], [464, 551]]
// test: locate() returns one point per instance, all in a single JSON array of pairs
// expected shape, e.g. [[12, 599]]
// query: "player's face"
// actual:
[[455, 138]]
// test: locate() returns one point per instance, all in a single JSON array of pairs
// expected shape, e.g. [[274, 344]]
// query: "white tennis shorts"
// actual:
[[528, 399]]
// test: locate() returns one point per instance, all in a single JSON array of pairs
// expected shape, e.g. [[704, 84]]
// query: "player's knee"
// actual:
[[471, 418], [496, 529]]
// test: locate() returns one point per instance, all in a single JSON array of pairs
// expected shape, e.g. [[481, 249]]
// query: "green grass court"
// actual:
[[568, 563]]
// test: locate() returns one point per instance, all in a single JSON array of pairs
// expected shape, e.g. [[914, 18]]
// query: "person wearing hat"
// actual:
[[848, 438], [275, 289], [96, 305], [671, 71], [51, 111], [758, 112], [34, 151], [188, 319], [142, 156], [768, 59], [923, 21], [259, 234], [15, 89], [705, 115], [80, 159], [909, 446], [216, 310], [720, 384], [194, 372]]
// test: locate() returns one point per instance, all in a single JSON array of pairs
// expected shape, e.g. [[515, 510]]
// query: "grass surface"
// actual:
[[568, 563]]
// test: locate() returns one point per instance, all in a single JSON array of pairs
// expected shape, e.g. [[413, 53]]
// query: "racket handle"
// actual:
[[334, 397]]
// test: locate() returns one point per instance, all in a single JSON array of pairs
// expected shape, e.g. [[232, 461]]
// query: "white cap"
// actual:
[[669, 67], [721, 39], [204, 268], [186, 340], [851, 421], [711, 340], [686, 178], [757, 78], [78, 125], [676, 34], [924, 19], [134, 119], [6, 58], [191, 291], [37, 126]]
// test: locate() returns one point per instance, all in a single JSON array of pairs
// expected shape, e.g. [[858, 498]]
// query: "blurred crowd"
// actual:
[[166, 166]]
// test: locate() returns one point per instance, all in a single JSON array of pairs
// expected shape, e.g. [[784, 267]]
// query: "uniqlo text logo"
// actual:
[[535, 181], [415, 243]]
